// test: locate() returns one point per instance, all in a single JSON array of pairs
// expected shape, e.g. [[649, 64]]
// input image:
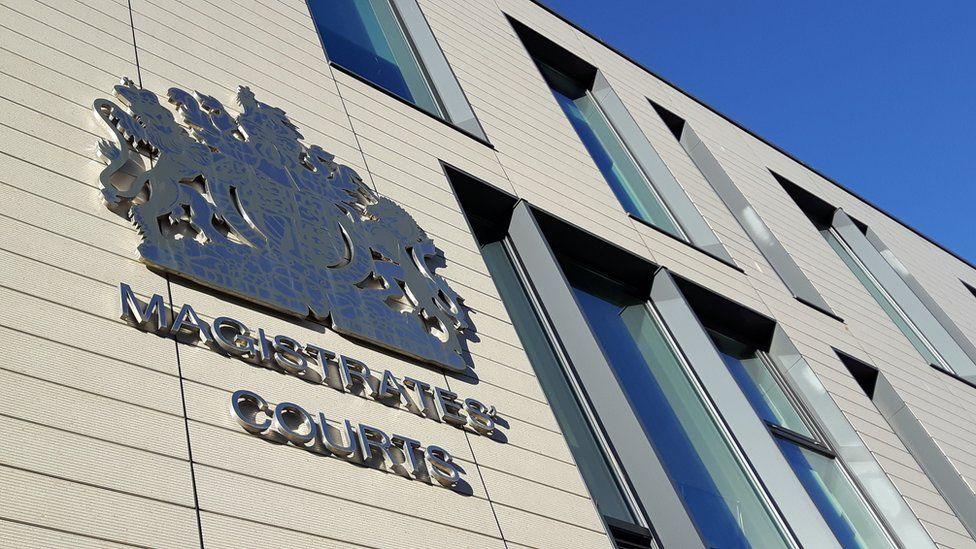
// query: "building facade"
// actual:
[[383, 273]]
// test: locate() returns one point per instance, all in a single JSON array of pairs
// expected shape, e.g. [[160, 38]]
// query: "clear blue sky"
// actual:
[[879, 96]]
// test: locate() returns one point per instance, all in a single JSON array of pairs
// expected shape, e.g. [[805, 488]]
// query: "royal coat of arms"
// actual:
[[240, 204]]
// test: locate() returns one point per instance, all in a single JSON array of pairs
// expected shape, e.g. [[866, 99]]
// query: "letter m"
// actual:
[[152, 318]]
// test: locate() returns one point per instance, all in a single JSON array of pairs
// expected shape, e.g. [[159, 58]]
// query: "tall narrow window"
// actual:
[[701, 461], [611, 156], [912, 310], [368, 38], [634, 171], [747, 216], [595, 465], [389, 44], [884, 300], [603, 475], [917, 439], [850, 518]]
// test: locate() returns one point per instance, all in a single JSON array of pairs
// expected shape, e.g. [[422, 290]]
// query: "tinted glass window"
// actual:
[[700, 461], [823, 477], [887, 304], [611, 156], [587, 450], [760, 385], [367, 38], [836, 497]]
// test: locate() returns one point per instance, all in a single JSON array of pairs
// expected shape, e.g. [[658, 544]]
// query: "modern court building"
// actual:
[[425, 273]]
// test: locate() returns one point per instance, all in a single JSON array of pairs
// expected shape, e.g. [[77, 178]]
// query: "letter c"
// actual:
[[245, 406]]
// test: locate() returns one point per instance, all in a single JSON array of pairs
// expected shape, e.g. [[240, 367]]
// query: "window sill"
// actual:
[[447, 123], [721, 260], [819, 308]]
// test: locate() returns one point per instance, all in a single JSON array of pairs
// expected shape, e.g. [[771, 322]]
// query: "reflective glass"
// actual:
[[592, 463], [890, 309], [759, 385], [836, 498], [367, 38], [611, 156], [708, 476]]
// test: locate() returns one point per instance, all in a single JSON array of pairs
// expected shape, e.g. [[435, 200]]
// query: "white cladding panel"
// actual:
[[96, 427]]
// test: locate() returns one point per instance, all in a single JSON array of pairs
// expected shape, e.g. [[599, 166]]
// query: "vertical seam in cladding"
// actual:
[[352, 128], [186, 422], [176, 345], [135, 49], [474, 459]]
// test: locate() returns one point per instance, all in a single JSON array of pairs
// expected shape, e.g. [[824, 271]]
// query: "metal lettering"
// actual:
[[442, 466], [288, 356], [150, 319], [188, 322], [448, 407], [344, 449], [389, 386], [245, 406], [238, 345], [479, 417], [299, 432], [351, 370], [419, 406], [370, 438], [409, 448]]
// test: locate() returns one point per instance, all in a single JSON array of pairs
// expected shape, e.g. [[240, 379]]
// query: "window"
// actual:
[[633, 170], [912, 310], [599, 467], [771, 248], [825, 480], [888, 305], [389, 44], [916, 438], [606, 488], [971, 289], [367, 37], [702, 463], [666, 430], [611, 156]]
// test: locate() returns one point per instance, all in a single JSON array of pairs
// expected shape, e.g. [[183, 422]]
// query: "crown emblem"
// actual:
[[240, 204]]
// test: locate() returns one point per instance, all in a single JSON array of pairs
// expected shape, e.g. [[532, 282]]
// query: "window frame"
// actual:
[[437, 73], [545, 68], [941, 364], [658, 177], [818, 442], [580, 394]]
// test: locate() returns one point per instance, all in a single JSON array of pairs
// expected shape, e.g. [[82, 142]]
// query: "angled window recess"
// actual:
[[916, 439], [662, 430], [488, 212], [632, 168], [926, 326], [389, 44], [787, 269]]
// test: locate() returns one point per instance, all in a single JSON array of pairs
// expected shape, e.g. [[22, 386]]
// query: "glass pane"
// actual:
[[883, 300], [836, 497], [592, 462], [759, 384], [702, 465], [611, 156], [365, 36]]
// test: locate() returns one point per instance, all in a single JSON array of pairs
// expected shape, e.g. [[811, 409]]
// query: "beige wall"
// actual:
[[94, 447]]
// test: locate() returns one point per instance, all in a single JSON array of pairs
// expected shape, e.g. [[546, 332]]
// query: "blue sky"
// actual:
[[879, 96]]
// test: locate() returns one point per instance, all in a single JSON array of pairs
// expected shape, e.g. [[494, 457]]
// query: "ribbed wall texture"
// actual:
[[100, 420]]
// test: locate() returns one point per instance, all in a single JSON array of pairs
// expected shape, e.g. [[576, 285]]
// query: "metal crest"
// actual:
[[241, 205]]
